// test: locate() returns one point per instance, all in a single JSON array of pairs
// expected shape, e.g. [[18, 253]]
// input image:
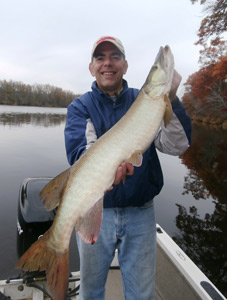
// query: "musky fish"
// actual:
[[79, 190]]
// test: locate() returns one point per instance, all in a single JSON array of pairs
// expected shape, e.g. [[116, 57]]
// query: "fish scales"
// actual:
[[82, 187], [117, 148]]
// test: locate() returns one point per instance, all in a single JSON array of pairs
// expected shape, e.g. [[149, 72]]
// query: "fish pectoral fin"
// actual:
[[136, 159], [89, 226], [168, 112], [53, 191]]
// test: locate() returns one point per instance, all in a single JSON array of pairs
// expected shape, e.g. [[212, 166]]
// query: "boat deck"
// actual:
[[177, 278], [170, 283]]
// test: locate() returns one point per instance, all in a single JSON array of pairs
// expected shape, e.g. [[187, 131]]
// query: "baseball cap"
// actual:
[[110, 39]]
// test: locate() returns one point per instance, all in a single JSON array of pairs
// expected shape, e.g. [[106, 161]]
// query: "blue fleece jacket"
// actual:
[[93, 113]]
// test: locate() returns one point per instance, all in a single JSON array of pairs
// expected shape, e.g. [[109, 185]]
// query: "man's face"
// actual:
[[108, 66]]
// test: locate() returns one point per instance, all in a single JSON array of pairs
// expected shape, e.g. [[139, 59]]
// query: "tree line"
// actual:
[[18, 93]]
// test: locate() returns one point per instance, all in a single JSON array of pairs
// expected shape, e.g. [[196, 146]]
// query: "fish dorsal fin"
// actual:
[[168, 111], [89, 226], [52, 192], [136, 159]]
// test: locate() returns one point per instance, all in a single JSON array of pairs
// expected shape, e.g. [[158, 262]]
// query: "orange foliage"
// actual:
[[206, 90], [220, 69], [209, 83], [201, 82], [215, 22], [211, 54], [212, 26]]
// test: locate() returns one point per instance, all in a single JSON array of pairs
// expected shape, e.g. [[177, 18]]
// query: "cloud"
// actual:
[[50, 41]]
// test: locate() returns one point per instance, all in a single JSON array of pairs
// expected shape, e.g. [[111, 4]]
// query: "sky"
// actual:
[[50, 41]]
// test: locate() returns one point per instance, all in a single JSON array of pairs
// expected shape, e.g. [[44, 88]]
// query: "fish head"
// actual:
[[160, 76]]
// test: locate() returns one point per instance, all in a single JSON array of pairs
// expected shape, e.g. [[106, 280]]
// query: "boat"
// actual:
[[177, 277]]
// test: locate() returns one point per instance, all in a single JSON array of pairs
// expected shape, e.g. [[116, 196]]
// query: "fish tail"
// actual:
[[43, 258]]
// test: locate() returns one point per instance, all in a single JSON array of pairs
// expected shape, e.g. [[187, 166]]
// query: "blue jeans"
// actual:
[[133, 231]]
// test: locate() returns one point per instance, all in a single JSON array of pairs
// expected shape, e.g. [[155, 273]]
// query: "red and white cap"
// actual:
[[110, 39]]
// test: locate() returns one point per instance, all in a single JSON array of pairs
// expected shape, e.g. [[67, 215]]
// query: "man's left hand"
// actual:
[[122, 171], [175, 84]]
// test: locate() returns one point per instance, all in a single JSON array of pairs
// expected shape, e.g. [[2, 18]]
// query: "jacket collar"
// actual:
[[97, 90]]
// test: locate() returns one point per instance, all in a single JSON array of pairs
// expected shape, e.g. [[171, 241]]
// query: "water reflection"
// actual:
[[36, 116], [205, 239], [207, 162], [33, 119], [32, 144]]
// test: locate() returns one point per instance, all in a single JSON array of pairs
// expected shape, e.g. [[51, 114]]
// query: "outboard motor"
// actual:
[[33, 219]]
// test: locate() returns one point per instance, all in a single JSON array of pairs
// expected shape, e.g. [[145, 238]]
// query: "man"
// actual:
[[128, 215]]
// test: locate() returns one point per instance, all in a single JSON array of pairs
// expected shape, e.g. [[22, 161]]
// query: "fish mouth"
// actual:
[[166, 48], [162, 57]]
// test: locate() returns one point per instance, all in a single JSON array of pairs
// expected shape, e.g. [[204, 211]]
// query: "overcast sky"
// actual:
[[50, 41]]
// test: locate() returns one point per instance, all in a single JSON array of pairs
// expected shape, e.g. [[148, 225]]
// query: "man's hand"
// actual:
[[175, 84], [122, 171]]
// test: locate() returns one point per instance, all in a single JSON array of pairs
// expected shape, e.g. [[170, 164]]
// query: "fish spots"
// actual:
[[92, 240], [57, 275]]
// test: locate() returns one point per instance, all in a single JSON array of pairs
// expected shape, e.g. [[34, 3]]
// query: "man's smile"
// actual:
[[108, 73]]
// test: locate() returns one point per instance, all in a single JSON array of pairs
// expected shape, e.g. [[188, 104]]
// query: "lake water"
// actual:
[[191, 207]]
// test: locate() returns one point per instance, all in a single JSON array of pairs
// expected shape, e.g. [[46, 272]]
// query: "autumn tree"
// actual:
[[206, 92], [205, 95], [210, 32]]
